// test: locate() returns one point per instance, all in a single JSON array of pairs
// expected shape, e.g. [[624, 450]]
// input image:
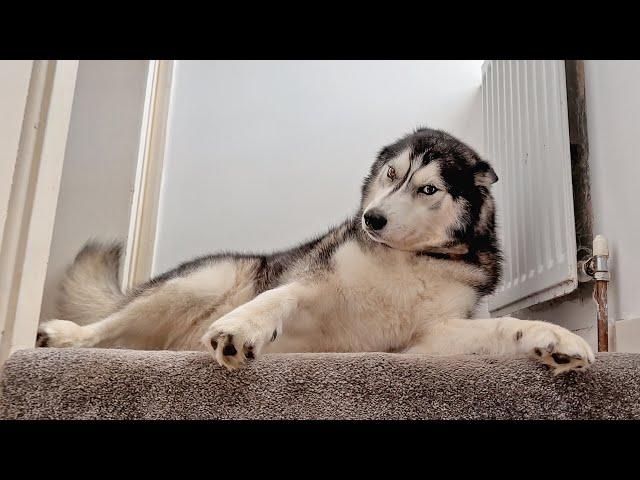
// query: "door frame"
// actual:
[[40, 96], [141, 238]]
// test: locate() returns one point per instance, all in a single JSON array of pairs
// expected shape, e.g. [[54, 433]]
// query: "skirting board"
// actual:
[[627, 333]]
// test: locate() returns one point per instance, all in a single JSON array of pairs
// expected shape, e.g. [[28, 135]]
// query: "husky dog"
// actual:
[[403, 274]]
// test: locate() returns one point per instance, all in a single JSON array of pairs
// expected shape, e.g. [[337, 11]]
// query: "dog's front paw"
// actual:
[[557, 347], [234, 340], [61, 333]]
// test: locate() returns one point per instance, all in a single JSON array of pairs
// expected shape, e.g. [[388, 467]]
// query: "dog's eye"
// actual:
[[428, 190], [391, 173]]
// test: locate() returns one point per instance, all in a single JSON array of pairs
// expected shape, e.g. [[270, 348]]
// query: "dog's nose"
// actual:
[[374, 220]]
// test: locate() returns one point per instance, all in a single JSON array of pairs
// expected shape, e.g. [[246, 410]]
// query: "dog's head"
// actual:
[[428, 192]]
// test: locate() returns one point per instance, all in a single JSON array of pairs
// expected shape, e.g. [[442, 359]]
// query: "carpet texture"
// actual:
[[49, 383]]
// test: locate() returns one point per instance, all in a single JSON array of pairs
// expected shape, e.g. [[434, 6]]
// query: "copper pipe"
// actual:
[[600, 296], [601, 276]]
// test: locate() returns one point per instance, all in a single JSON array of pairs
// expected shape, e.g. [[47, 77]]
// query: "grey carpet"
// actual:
[[125, 384]]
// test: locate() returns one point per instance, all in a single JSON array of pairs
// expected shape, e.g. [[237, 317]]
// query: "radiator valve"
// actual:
[[596, 266]]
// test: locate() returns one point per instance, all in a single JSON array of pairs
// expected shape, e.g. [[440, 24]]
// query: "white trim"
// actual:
[[537, 298], [26, 242], [146, 196], [134, 217], [624, 335]]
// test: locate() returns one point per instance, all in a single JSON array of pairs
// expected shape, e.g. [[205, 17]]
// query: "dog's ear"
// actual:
[[484, 174]]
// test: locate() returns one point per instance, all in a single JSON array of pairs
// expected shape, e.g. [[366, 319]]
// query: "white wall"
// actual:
[[613, 116], [263, 154], [99, 166]]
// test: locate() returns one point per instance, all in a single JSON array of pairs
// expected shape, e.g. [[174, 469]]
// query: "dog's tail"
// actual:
[[90, 290]]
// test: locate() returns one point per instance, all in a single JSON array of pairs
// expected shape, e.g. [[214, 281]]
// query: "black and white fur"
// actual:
[[403, 274]]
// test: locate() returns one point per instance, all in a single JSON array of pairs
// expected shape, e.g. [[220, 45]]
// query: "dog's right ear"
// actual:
[[485, 176]]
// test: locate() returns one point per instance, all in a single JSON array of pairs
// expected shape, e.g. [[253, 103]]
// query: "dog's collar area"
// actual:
[[451, 252]]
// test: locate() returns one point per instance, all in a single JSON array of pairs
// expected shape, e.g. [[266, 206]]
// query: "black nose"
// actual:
[[374, 220]]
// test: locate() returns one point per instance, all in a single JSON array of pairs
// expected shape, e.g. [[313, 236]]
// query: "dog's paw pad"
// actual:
[[249, 352], [561, 358], [559, 349], [42, 339], [230, 350], [235, 339]]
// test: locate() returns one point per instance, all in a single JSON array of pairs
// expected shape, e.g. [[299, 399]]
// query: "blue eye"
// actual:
[[428, 190]]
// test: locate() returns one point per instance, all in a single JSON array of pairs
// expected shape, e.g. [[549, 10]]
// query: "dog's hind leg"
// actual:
[[145, 323], [172, 315]]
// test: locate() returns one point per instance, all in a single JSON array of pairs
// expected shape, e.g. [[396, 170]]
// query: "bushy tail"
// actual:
[[91, 290]]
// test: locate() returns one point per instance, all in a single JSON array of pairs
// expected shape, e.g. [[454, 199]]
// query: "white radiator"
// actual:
[[526, 138]]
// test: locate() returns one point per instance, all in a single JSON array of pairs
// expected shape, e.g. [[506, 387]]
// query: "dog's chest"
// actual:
[[386, 300], [368, 303], [384, 284]]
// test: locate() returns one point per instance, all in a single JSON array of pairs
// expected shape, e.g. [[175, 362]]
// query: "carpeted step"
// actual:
[[49, 383]]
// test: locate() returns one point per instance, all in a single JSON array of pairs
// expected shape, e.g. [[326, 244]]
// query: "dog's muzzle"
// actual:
[[374, 220]]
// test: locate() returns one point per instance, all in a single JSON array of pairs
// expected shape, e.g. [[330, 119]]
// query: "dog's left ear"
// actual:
[[484, 174]]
